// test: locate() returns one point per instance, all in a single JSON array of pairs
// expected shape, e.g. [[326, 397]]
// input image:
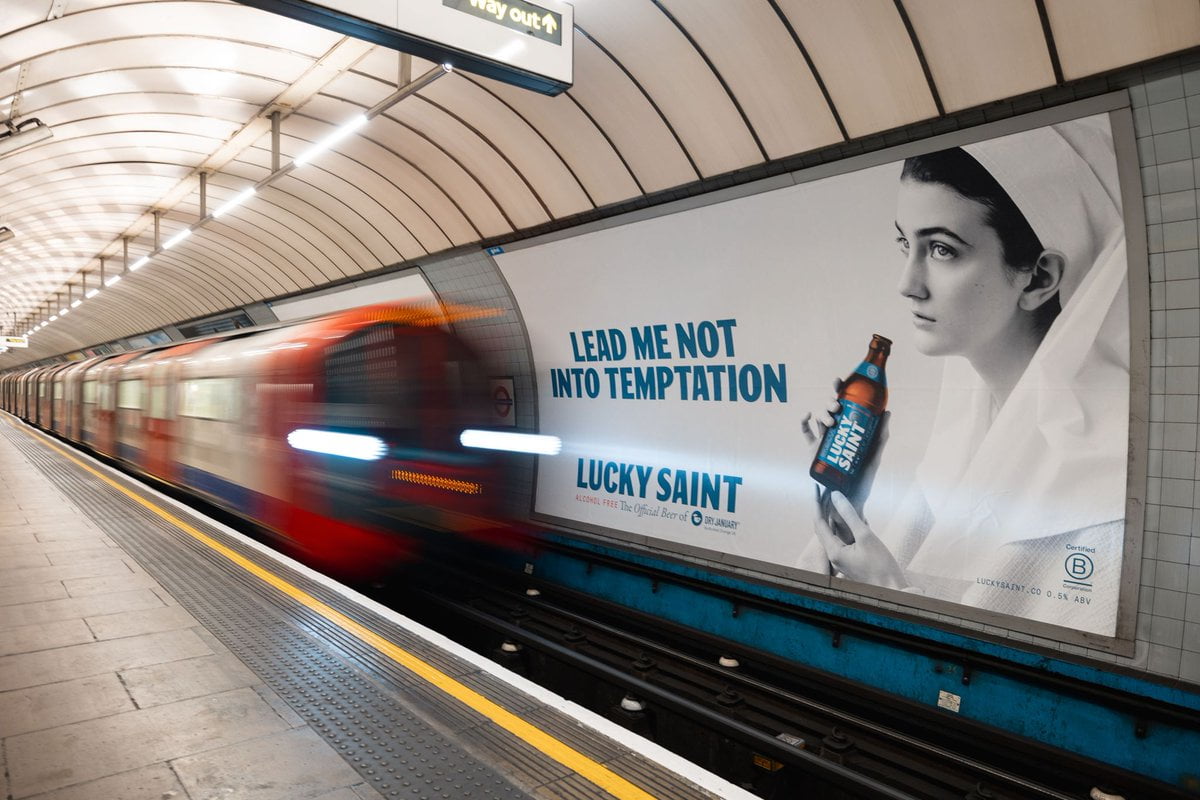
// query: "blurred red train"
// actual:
[[339, 435]]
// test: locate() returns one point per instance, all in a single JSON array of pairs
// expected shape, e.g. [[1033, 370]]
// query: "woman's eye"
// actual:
[[900, 240], [941, 251]]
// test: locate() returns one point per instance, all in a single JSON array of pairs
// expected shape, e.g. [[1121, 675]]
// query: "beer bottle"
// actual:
[[847, 446]]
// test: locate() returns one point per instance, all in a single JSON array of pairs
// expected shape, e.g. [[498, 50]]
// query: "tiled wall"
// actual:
[[1167, 123], [472, 279], [1166, 102]]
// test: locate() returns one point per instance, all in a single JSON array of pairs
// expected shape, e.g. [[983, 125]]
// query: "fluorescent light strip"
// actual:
[[62, 312], [350, 445], [112, 280], [53, 317], [92, 293], [237, 200], [76, 304], [512, 442], [349, 127], [177, 238]]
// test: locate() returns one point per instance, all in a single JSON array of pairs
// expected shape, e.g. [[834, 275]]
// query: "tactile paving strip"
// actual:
[[387, 723]]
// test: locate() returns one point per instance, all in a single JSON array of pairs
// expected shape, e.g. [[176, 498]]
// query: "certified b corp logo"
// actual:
[[1079, 567], [697, 518]]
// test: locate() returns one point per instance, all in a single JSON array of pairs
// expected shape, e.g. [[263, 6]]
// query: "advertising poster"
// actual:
[[692, 365]]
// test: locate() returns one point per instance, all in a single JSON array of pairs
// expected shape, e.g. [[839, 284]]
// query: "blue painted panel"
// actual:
[[236, 497], [1123, 682], [1042, 714], [129, 452]]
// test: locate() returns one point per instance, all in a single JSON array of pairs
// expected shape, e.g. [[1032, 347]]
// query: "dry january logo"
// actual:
[[515, 15]]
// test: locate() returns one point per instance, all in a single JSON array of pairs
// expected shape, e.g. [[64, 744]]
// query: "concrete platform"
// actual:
[[109, 690], [150, 653]]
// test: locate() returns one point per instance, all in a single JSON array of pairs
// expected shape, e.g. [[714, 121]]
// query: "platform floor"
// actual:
[[147, 653]]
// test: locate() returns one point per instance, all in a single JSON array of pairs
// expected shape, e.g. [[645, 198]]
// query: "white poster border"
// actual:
[[1117, 106]]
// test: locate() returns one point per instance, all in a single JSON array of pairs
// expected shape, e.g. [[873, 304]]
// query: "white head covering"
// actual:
[[1053, 458]]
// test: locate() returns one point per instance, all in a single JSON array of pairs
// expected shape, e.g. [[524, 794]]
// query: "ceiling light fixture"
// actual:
[[240, 198], [29, 132], [177, 238], [347, 128]]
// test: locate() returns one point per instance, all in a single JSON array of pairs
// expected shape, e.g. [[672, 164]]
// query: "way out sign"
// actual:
[[525, 43], [14, 341]]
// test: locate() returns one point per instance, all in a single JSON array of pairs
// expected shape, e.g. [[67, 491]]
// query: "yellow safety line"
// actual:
[[564, 754]]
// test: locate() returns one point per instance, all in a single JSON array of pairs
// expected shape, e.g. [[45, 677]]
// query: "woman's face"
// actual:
[[962, 299]]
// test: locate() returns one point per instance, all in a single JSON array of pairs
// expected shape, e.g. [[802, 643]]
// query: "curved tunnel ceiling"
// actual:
[[143, 97]]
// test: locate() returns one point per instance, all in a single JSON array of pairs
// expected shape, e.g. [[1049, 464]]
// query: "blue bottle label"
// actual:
[[846, 444], [869, 370]]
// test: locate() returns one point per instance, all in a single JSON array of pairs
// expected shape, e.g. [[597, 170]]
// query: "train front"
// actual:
[[376, 467]]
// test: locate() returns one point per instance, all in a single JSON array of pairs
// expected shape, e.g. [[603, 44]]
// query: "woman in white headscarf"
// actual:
[[1015, 263]]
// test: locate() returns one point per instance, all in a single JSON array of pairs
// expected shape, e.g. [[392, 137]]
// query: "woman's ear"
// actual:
[[1044, 280]]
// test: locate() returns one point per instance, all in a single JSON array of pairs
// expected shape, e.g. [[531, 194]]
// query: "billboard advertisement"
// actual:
[[913, 376]]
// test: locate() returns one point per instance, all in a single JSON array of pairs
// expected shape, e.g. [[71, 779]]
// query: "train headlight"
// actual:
[[512, 442], [349, 445]]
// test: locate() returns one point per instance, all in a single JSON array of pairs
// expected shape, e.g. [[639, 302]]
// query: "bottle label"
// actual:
[[846, 444], [869, 370]]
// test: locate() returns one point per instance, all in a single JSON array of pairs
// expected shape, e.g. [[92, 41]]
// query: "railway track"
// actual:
[[772, 726]]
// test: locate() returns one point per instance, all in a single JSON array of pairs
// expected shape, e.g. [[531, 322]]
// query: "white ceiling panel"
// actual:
[[647, 145], [175, 52], [784, 112], [981, 51], [866, 58], [1098, 35], [658, 55], [514, 140], [575, 136]]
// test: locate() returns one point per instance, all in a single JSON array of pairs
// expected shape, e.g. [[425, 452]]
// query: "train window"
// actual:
[[106, 396], [158, 402], [58, 389], [89, 391], [129, 394], [41, 389], [210, 398], [373, 379]]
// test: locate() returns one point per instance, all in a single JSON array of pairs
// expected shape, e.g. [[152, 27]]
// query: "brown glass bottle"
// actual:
[[847, 446]]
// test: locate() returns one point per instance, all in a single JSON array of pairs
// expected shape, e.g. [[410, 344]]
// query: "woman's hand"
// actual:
[[815, 423], [865, 558]]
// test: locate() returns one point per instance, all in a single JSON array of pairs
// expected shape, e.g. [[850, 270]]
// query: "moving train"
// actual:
[[338, 435]]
